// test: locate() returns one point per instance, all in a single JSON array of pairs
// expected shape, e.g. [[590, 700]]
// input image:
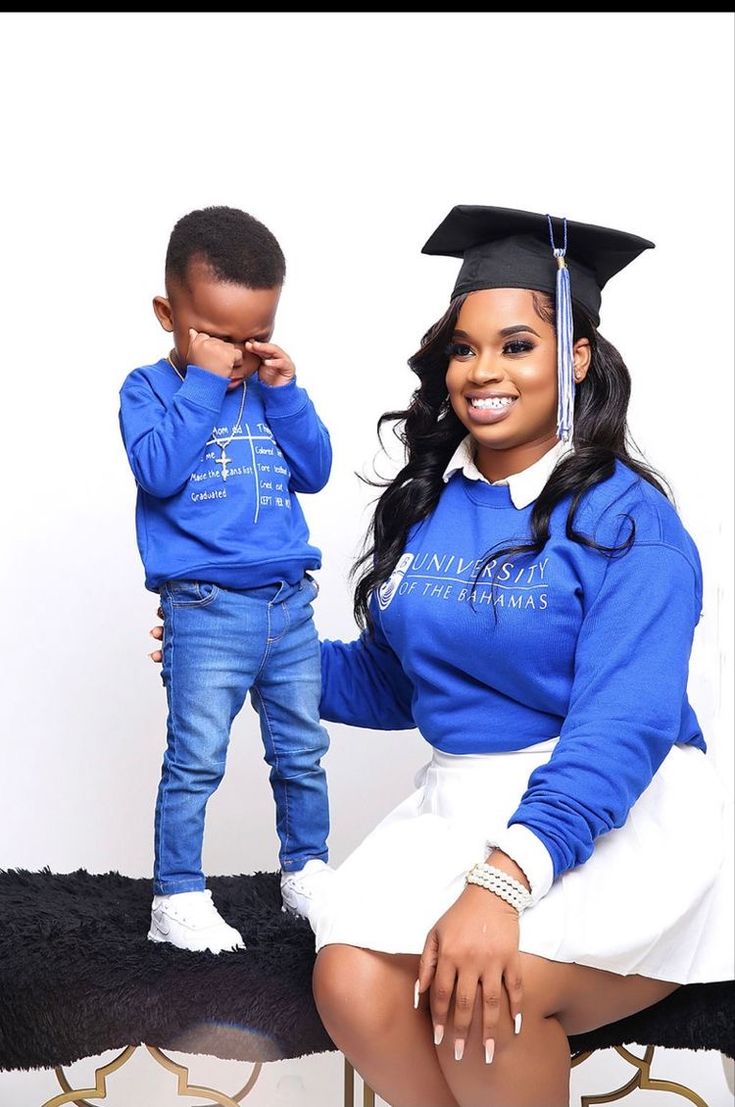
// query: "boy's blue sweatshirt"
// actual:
[[240, 530], [569, 643]]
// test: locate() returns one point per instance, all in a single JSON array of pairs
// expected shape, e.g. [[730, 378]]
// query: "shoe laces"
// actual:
[[302, 882], [198, 910]]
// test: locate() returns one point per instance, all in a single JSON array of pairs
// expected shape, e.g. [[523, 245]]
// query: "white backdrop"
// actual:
[[351, 136]]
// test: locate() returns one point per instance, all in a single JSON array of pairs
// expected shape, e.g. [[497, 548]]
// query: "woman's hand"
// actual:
[[157, 633], [472, 953]]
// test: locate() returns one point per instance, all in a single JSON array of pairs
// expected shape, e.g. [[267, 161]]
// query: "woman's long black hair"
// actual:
[[430, 432]]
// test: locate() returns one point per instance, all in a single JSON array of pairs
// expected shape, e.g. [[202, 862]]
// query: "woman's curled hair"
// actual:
[[430, 432]]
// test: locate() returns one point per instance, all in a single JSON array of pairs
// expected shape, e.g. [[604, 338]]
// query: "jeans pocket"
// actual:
[[189, 593]]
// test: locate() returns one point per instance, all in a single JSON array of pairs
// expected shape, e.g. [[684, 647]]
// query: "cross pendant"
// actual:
[[222, 460]]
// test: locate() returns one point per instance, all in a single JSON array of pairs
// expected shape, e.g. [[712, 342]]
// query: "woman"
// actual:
[[528, 598]]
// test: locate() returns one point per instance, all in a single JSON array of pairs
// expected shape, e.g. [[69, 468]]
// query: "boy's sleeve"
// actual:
[[625, 712], [301, 436], [163, 444], [363, 684]]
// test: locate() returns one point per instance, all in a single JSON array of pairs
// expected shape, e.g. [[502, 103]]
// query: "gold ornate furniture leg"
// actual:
[[184, 1088], [349, 1085], [641, 1079], [191, 1090], [368, 1095], [99, 1091]]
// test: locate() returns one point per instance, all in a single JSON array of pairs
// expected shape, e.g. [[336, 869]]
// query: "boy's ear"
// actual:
[[164, 314]]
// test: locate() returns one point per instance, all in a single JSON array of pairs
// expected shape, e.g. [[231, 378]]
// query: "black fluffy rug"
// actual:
[[78, 977]]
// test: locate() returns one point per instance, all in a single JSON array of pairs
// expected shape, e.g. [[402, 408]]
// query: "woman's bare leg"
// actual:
[[366, 1003], [532, 1069], [365, 1000]]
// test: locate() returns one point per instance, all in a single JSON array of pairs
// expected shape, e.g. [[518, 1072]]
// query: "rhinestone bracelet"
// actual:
[[499, 882]]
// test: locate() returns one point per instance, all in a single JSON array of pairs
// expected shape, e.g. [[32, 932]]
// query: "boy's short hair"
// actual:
[[236, 246]]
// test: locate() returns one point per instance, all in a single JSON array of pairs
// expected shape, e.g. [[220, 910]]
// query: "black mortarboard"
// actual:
[[505, 248]]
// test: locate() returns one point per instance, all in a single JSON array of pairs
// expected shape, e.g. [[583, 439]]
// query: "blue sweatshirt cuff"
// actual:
[[282, 400], [203, 388]]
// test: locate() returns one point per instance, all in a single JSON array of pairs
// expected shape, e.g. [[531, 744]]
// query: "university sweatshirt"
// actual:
[[225, 514], [570, 642]]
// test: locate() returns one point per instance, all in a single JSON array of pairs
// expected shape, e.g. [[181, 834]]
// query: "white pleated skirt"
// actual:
[[656, 897]]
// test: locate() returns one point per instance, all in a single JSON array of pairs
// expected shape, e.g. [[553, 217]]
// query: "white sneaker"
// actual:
[[190, 920], [301, 891]]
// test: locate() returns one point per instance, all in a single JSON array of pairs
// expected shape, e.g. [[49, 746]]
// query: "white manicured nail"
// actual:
[[517, 1023], [489, 1051], [416, 994], [458, 1049], [438, 1034]]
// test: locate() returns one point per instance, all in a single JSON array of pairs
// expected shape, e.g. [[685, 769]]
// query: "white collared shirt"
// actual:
[[525, 487]]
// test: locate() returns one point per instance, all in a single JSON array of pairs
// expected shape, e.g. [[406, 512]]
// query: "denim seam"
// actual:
[[171, 641], [264, 717], [267, 651], [269, 640]]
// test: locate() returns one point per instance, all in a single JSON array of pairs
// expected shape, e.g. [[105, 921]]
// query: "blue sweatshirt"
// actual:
[[229, 516], [569, 643]]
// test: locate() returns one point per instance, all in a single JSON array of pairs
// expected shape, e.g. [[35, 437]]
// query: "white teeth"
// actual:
[[492, 402]]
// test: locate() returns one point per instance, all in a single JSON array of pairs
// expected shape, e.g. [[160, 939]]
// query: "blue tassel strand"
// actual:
[[564, 341]]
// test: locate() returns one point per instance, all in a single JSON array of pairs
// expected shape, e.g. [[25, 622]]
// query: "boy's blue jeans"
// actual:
[[218, 644]]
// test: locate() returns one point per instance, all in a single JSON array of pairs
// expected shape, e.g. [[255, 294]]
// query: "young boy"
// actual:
[[220, 438]]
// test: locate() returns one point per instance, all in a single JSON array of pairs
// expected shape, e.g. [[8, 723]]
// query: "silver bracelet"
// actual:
[[499, 882]]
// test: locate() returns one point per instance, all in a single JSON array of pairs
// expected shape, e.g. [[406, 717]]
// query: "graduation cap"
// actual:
[[506, 248]]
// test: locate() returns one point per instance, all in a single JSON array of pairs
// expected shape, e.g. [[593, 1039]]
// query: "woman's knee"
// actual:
[[355, 990]]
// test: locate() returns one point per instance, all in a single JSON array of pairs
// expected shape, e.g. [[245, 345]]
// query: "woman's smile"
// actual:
[[491, 407]]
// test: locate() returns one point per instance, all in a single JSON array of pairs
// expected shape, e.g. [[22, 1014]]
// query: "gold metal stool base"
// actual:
[[184, 1088], [641, 1079], [368, 1095]]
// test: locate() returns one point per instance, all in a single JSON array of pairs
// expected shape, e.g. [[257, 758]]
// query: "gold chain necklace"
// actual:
[[223, 443]]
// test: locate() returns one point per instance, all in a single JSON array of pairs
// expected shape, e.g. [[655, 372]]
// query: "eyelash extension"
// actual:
[[522, 346], [512, 348], [453, 348]]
